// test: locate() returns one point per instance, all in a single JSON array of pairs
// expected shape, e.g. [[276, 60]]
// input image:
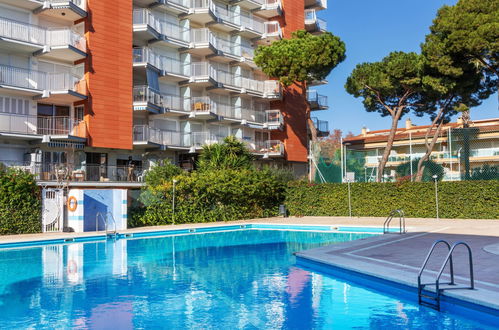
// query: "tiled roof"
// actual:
[[418, 132]]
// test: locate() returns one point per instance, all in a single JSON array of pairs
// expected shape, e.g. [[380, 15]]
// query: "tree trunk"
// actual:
[[311, 127], [429, 148], [389, 144]]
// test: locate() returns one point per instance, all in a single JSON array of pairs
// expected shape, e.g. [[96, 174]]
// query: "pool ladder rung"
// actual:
[[432, 298]]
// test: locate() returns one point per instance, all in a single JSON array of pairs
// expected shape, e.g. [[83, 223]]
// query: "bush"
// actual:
[[231, 154], [20, 205], [208, 196], [462, 199], [162, 173]]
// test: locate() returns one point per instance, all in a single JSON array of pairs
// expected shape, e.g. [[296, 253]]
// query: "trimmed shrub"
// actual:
[[208, 196], [462, 199], [20, 205]]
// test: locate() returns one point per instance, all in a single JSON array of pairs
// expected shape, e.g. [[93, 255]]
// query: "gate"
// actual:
[[52, 209]]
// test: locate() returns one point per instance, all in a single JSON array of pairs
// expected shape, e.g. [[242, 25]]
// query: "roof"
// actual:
[[403, 133]]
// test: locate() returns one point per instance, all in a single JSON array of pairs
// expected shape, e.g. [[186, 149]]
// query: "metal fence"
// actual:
[[459, 153]]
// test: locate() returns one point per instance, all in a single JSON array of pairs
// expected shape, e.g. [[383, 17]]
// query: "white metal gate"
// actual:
[[52, 209]]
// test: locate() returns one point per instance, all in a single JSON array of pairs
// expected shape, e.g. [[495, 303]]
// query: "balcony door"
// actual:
[[53, 119], [96, 166]]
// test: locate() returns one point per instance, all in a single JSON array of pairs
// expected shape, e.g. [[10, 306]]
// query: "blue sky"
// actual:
[[371, 30]]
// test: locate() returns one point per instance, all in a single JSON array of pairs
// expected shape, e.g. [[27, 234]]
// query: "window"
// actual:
[[79, 113], [49, 110]]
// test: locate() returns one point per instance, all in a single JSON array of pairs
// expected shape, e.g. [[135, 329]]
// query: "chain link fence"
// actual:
[[470, 153]]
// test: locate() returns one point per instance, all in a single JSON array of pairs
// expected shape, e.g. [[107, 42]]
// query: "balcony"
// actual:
[[64, 44], [176, 6], [272, 32], [262, 119], [53, 43], [155, 102], [252, 26], [200, 139], [267, 149], [316, 4], [322, 127], [313, 24], [205, 43], [70, 10], [22, 37], [146, 137], [317, 101], [169, 68], [204, 107], [59, 128], [74, 174], [202, 74], [147, 28], [51, 87], [270, 8]]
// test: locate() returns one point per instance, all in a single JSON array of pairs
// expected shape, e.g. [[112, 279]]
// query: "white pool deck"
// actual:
[[392, 256]]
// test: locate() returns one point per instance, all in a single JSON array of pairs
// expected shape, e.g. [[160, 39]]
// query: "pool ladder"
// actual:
[[105, 216], [431, 298], [401, 216]]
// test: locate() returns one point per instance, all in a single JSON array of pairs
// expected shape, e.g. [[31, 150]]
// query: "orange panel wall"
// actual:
[[109, 112], [293, 104]]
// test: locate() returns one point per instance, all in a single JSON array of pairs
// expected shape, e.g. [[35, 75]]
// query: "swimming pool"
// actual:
[[243, 278]]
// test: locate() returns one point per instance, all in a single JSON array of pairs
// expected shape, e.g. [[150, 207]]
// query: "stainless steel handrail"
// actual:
[[386, 224], [438, 291]]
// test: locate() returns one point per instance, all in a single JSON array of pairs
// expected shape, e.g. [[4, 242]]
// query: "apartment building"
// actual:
[[462, 149], [85, 84]]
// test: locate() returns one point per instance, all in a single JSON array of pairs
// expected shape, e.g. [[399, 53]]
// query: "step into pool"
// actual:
[[239, 279]]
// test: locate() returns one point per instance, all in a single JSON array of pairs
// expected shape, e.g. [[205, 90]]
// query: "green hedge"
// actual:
[[208, 196], [20, 206], [464, 199]]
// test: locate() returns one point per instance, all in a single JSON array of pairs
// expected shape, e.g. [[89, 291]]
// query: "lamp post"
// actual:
[[435, 177], [173, 201], [349, 197]]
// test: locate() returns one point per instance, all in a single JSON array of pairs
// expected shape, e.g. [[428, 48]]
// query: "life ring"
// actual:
[[72, 267], [72, 204]]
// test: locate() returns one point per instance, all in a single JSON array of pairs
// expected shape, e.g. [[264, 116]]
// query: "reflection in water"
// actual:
[[241, 279]]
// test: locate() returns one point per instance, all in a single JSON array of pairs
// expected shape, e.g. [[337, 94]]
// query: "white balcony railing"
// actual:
[[253, 23], [207, 104], [273, 117], [37, 80], [163, 27], [79, 3], [65, 36], [144, 94], [204, 37], [22, 31], [34, 34], [161, 62], [38, 125], [272, 29], [247, 52], [202, 4], [269, 147]]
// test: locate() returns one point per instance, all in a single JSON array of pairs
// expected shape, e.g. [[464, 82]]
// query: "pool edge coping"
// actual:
[[66, 238], [343, 263]]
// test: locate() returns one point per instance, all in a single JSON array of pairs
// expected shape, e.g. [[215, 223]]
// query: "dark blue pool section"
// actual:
[[239, 279]]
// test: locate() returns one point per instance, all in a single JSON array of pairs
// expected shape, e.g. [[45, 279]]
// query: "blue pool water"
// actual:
[[244, 279]]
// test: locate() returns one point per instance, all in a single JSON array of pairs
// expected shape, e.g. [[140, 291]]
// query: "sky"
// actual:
[[371, 30]]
